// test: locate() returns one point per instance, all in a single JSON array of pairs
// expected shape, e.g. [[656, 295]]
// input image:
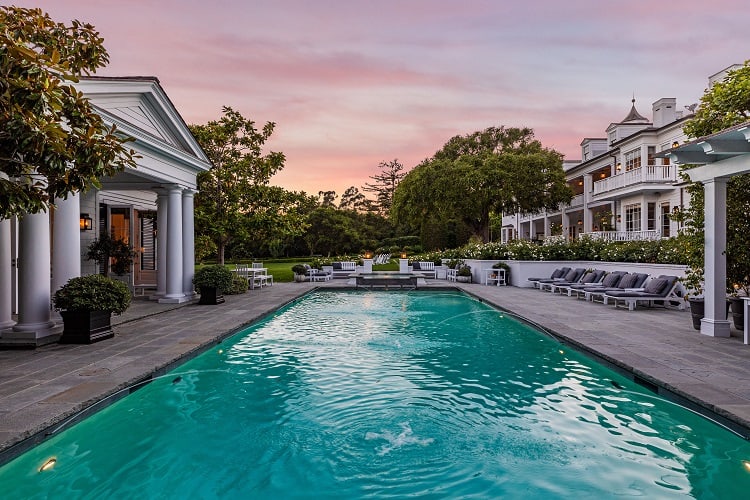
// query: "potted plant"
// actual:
[[463, 273], [116, 252], [739, 289], [212, 281], [505, 267], [299, 271], [86, 305]]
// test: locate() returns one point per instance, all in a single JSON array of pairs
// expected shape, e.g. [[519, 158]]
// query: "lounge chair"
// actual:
[[573, 276], [659, 289], [557, 273], [589, 278], [628, 283], [611, 280]]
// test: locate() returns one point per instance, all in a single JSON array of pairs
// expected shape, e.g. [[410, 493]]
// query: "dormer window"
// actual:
[[612, 137]]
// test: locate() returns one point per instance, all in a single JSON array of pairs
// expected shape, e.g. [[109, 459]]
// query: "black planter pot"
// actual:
[[738, 312], [86, 327], [210, 296], [698, 310]]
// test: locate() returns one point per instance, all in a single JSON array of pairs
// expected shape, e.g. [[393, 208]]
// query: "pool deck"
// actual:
[[658, 348]]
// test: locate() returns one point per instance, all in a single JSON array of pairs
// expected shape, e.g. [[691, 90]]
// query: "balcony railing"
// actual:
[[623, 235], [666, 174], [577, 201]]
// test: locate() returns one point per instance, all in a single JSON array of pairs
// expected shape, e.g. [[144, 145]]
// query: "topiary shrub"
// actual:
[[299, 269], [93, 293], [214, 276], [239, 285]]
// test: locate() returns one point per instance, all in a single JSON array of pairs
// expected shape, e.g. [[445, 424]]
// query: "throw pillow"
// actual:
[[656, 286]]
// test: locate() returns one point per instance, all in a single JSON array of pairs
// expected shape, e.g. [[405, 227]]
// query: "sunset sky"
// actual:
[[351, 83]]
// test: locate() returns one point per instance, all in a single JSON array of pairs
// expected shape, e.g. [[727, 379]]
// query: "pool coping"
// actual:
[[180, 346]]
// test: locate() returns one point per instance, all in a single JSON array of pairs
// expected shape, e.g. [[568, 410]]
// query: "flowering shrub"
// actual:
[[666, 251]]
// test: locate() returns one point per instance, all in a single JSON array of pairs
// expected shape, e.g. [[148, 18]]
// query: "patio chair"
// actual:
[[659, 289], [628, 282], [589, 278], [557, 273], [573, 276]]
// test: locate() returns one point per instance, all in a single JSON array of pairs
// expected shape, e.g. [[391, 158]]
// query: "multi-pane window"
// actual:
[[665, 221], [633, 159], [651, 216], [633, 217], [665, 161]]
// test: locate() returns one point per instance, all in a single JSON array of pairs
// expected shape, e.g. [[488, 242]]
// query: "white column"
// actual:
[[34, 326], [6, 289], [367, 265], [174, 247], [161, 245], [66, 241], [188, 243], [715, 323], [588, 184]]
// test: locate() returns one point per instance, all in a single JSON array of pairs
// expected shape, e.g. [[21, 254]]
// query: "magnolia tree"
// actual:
[[52, 143], [725, 104]]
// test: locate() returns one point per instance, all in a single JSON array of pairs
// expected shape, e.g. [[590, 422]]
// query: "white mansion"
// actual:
[[624, 188]]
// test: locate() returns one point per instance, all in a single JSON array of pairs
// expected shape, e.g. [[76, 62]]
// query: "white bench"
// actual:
[[343, 269], [426, 268]]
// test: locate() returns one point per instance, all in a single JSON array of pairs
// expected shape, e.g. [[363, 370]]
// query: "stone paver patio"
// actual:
[[658, 348]]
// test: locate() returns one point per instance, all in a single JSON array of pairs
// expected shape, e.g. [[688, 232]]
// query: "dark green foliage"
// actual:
[[52, 142], [299, 269], [239, 285], [93, 293], [214, 276], [105, 248]]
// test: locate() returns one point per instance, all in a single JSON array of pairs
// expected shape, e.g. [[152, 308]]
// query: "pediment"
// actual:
[[139, 112]]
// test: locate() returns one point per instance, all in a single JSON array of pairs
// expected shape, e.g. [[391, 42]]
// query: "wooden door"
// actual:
[[144, 264]]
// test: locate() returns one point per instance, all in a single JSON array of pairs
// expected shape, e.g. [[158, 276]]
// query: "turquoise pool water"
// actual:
[[372, 394]]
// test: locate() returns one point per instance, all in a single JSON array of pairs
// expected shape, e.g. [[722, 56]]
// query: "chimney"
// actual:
[[664, 111]]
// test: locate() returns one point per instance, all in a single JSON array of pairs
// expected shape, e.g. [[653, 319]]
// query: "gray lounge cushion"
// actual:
[[571, 276], [558, 273], [656, 286], [628, 281], [590, 277], [611, 280]]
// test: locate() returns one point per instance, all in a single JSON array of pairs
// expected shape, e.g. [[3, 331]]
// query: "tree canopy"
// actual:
[[52, 142], [491, 171], [234, 199], [725, 104], [385, 183]]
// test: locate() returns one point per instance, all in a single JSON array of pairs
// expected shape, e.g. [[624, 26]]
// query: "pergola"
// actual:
[[719, 157]]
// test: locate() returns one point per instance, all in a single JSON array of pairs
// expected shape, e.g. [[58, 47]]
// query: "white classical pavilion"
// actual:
[[720, 157], [150, 207]]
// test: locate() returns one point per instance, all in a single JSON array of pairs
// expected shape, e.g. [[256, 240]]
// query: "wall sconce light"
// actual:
[[86, 223], [675, 144], [580, 183], [619, 218], [580, 222], [618, 167], [602, 175]]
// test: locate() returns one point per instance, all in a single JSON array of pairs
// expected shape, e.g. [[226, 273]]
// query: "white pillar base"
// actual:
[[174, 300], [367, 265], [715, 327], [29, 336]]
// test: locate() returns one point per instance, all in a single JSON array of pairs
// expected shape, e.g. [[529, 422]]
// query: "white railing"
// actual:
[[577, 201], [648, 174], [623, 235]]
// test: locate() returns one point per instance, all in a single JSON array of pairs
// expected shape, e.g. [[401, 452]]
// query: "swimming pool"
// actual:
[[356, 394]]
